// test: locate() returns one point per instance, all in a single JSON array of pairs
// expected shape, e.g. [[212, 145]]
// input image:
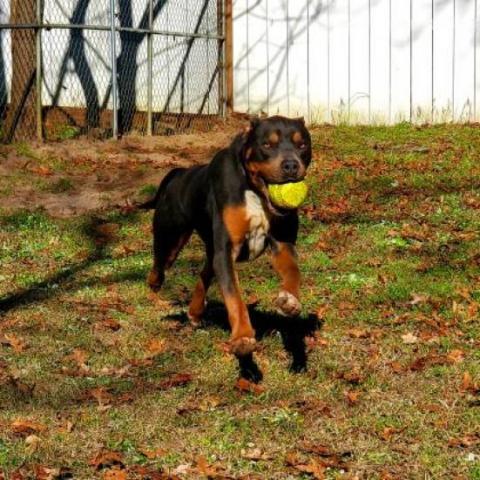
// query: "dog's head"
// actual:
[[277, 150]]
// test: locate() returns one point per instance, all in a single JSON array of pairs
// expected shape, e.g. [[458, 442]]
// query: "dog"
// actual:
[[227, 203]]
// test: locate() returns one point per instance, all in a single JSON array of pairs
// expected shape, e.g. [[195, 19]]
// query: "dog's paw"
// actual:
[[155, 280], [194, 320], [298, 367], [243, 346], [249, 369], [287, 304]]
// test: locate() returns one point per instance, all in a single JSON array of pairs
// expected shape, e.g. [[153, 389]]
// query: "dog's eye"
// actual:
[[302, 146], [266, 145]]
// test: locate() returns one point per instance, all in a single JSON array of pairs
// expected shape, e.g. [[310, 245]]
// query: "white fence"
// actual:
[[366, 61]]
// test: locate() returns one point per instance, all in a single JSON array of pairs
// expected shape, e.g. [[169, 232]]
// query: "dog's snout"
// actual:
[[290, 167]]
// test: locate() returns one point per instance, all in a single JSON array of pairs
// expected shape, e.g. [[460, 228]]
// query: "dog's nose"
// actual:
[[290, 167]]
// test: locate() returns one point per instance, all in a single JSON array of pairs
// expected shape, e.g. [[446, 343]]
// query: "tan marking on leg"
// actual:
[[285, 264], [197, 304], [242, 340]]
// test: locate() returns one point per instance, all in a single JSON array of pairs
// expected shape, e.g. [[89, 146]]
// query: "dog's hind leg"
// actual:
[[198, 302], [167, 244]]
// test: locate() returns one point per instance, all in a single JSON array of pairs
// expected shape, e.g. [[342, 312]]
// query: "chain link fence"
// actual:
[[109, 67]]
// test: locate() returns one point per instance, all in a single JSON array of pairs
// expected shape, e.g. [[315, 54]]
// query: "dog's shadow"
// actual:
[[293, 332]]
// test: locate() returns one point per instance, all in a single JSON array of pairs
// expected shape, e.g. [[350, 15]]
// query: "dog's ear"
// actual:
[[300, 120], [254, 121]]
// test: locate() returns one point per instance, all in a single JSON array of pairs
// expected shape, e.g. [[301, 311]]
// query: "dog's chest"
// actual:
[[259, 226]]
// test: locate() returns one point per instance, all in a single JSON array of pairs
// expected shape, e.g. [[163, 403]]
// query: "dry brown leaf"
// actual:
[[321, 312], [312, 467], [456, 356], [396, 367], [465, 442], [388, 432], [11, 340], [155, 347], [109, 324], [153, 454], [106, 459], [41, 170], [101, 395], [358, 333], [409, 338], [467, 381], [244, 385], [32, 443], [177, 380], [45, 473], [115, 474], [255, 454], [352, 396], [26, 427]]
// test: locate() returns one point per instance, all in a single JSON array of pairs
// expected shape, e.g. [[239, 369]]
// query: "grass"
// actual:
[[388, 247]]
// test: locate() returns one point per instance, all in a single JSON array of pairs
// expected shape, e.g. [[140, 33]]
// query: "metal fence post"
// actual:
[[150, 69], [113, 54], [221, 57], [228, 29], [39, 73]]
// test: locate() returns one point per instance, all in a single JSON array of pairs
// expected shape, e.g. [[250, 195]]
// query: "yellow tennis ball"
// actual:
[[288, 195]]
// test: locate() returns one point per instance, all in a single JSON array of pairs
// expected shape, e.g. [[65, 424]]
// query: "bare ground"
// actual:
[[82, 175]]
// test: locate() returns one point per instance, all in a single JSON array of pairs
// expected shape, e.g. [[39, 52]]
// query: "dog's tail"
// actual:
[[152, 203]]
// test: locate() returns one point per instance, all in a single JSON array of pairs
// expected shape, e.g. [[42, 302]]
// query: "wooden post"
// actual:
[[229, 55]]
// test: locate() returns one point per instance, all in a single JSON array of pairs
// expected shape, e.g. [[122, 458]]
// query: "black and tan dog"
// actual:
[[226, 202]]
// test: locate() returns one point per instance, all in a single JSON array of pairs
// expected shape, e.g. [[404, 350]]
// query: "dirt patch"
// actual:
[[77, 176]]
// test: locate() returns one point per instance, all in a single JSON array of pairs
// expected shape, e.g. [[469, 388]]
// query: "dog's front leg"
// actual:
[[284, 261], [229, 236]]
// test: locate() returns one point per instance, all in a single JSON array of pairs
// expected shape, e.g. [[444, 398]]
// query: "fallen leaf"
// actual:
[[416, 299], [10, 340], [153, 454], [26, 427], [254, 454], [101, 395], [465, 442], [396, 367], [106, 459], [155, 347], [321, 312], [336, 457], [388, 432], [353, 376], [456, 356], [32, 442], [427, 361], [41, 170], [358, 333], [352, 396], [109, 324], [467, 381], [177, 380], [312, 467], [244, 385], [115, 474], [409, 338]]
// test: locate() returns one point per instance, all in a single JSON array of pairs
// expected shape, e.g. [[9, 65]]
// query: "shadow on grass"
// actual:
[[292, 330], [99, 238]]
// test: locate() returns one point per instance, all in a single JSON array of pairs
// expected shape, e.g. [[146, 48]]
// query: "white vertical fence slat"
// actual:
[[358, 61]]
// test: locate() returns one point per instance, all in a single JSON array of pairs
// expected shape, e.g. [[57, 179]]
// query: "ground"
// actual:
[[101, 379]]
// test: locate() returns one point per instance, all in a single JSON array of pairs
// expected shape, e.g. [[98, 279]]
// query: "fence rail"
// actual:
[[110, 66]]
